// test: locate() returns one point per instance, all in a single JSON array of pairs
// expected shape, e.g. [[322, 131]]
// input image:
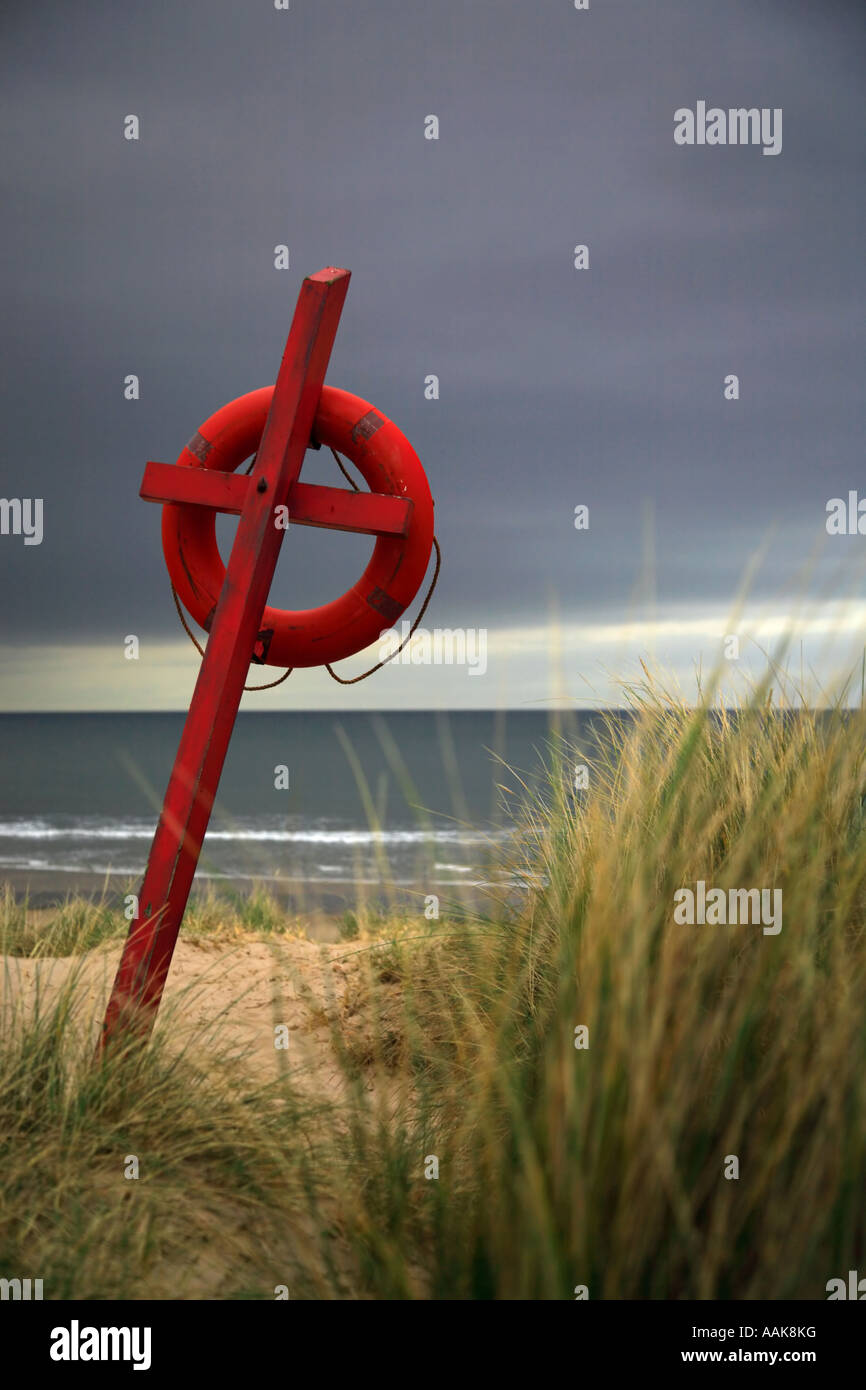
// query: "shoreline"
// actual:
[[320, 908]]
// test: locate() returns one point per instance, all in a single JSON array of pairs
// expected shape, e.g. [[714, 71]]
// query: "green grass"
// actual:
[[214, 914], [557, 1167], [79, 924], [75, 925]]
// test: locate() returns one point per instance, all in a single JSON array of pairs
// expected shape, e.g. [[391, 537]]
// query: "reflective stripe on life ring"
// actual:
[[388, 464]]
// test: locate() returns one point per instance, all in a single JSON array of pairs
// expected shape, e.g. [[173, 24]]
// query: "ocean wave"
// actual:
[[45, 830]]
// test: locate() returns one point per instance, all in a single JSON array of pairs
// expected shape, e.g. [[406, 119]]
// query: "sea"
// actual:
[[324, 807]]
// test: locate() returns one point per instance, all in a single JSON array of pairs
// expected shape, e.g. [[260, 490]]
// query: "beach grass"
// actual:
[[79, 923], [580, 1095]]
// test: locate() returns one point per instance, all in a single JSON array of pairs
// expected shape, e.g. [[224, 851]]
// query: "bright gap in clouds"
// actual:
[[528, 666]]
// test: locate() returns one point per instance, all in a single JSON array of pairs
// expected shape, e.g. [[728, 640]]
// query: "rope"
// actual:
[[330, 670], [200, 649], [409, 635], [342, 467], [269, 685]]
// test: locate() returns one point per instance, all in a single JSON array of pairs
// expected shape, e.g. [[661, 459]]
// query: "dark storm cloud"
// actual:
[[557, 387]]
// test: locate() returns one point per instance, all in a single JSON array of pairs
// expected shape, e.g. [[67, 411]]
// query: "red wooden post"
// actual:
[[193, 784]]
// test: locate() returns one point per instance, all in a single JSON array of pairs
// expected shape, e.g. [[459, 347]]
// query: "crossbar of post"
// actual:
[[308, 504], [192, 787]]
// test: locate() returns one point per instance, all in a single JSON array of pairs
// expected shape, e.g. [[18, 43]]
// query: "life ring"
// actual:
[[388, 464]]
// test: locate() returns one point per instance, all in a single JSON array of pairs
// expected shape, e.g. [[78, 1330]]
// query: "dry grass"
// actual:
[[603, 1166]]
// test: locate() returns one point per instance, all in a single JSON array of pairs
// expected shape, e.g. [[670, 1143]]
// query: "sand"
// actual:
[[228, 997]]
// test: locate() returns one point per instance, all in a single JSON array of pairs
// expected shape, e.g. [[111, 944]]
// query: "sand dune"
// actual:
[[231, 997]]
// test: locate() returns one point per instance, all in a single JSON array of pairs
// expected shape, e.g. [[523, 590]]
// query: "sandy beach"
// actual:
[[248, 986]]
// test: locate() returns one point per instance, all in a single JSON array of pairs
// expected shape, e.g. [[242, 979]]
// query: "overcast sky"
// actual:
[[558, 387]]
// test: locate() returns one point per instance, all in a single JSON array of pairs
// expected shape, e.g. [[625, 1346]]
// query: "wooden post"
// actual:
[[192, 787]]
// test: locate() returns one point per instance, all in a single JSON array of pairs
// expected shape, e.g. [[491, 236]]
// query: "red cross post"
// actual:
[[192, 787]]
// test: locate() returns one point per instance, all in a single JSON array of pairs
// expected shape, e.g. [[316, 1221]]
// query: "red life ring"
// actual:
[[387, 462]]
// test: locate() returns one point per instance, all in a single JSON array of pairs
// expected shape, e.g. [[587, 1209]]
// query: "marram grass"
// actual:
[[706, 1140]]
